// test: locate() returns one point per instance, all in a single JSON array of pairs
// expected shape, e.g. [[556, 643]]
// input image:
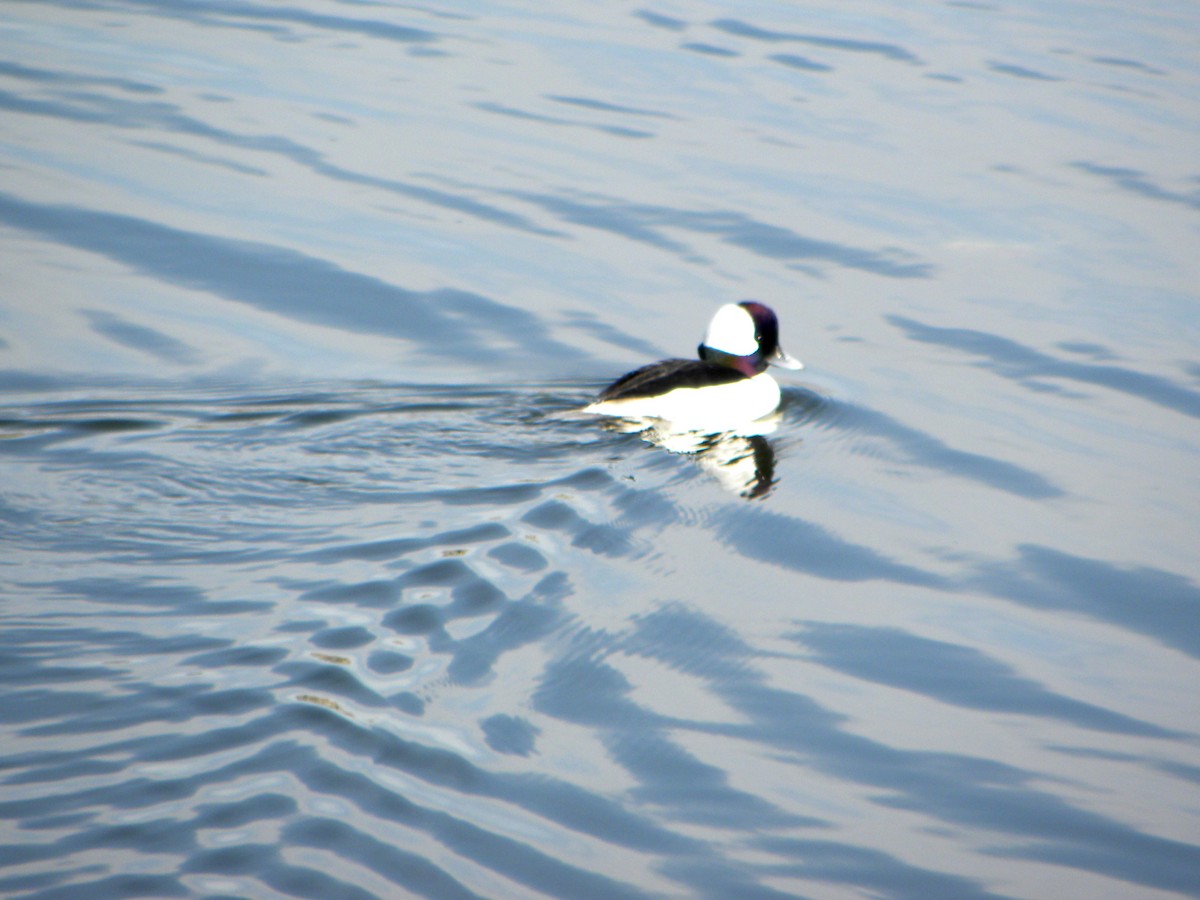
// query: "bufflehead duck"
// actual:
[[727, 387]]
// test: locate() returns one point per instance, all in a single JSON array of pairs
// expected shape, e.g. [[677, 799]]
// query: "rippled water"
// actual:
[[314, 583]]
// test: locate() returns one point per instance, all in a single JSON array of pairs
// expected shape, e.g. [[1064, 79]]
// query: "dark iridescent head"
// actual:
[[745, 336]]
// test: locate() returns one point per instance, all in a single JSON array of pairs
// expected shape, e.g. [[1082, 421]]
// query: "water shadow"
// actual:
[[894, 52], [689, 792], [873, 872], [954, 674], [512, 112], [576, 686], [147, 340], [801, 546], [405, 869], [803, 63], [954, 789], [1021, 72], [512, 735], [923, 449], [1025, 364], [303, 741], [658, 20], [179, 836], [649, 224], [258, 17], [90, 107], [1123, 63], [1138, 183], [391, 549], [441, 323], [56, 700], [581, 688], [204, 159], [514, 859], [709, 50], [603, 106], [19, 71], [601, 538], [1158, 604], [588, 323], [149, 595]]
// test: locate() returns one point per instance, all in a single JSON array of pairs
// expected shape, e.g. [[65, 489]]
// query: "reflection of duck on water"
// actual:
[[742, 463], [718, 407]]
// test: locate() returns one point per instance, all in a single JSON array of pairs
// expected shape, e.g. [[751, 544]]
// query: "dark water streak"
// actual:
[[233, 14], [279, 279], [1027, 365]]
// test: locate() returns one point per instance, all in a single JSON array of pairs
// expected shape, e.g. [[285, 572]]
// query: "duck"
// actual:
[[726, 388]]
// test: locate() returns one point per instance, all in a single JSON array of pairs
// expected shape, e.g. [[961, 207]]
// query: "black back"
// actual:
[[660, 377]]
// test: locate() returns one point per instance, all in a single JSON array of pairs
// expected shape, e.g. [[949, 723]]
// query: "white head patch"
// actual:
[[732, 330]]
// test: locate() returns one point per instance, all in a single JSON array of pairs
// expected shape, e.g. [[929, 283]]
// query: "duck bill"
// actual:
[[781, 359]]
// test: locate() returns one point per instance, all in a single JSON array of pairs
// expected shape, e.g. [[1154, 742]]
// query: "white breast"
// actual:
[[722, 407]]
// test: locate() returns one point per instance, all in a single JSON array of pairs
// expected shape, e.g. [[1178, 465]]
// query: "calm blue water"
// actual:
[[313, 585]]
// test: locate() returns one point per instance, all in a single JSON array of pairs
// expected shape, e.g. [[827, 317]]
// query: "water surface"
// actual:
[[314, 584]]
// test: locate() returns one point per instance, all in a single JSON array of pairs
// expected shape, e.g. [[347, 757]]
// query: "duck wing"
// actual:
[[661, 377]]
